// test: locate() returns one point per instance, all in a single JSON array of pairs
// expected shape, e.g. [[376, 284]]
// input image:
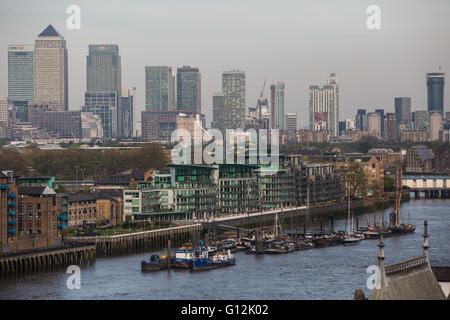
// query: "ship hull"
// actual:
[[206, 264]]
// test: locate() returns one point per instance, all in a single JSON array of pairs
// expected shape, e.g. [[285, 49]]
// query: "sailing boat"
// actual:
[[279, 244], [350, 237], [396, 227]]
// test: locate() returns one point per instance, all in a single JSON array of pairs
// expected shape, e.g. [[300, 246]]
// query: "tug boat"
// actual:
[[185, 255], [155, 263], [221, 259]]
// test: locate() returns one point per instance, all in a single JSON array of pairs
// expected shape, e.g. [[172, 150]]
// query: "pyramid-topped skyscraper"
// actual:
[[50, 69]]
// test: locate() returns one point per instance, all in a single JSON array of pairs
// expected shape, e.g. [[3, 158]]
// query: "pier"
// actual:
[[430, 186], [139, 241], [50, 259]]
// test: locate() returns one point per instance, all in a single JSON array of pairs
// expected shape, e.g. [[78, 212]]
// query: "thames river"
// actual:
[[325, 273]]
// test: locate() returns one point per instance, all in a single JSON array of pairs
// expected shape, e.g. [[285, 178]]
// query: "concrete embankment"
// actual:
[[140, 241], [48, 259]]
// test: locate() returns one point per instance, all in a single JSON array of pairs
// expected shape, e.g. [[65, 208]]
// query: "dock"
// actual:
[[43, 260], [143, 241]]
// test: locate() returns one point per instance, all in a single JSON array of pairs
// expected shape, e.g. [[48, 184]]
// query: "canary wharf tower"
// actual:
[[50, 69]]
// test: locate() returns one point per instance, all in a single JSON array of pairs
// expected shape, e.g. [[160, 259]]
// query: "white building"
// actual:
[[324, 106], [435, 126]]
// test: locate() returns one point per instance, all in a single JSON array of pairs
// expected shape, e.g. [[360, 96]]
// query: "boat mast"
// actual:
[[348, 218]]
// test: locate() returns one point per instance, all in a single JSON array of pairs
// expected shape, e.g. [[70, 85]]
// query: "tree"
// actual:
[[389, 184], [356, 177]]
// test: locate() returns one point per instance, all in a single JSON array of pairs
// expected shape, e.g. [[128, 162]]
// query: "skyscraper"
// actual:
[[103, 104], [421, 120], [189, 90], [291, 126], [360, 119], [402, 113], [50, 69], [277, 99], [381, 113], [218, 112], [104, 73], [435, 126], [389, 127], [435, 92], [374, 123], [333, 109], [324, 106], [21, 78], [128, 105], [233, 88], [159, 91]]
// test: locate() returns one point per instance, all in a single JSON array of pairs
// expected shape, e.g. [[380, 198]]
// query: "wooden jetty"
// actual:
[[139, 241], [49, 259]]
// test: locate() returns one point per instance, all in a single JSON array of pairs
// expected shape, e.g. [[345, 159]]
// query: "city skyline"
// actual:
[[367, 64]]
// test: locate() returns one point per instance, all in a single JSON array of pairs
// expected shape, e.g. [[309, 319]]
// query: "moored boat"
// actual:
[[221, 259], [155, 263]]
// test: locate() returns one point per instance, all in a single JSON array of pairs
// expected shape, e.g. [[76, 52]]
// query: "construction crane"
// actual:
[[261, 93]]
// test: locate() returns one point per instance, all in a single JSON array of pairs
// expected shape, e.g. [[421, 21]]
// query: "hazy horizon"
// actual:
[[298, 42]]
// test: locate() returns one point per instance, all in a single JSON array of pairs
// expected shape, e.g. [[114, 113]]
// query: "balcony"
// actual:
[[11, 221], [11, 231], [4, 186], [63, 217], [12, 204], [12, 195], [62, 225], [11, 213]]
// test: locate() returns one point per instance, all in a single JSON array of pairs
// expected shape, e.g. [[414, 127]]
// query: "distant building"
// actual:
[[21, 78], [324, 106], [51, 69], [218, 103], [420, 120], [381, 113], [159, 88], [350, 124], [390, 127], [374, 124], [413, 135], [277, 98], [361, 120], [63, 124], [435, 126], [129, 112], [104, 74], [435, 92], [419, 159], [402, 113], [158, 125], [104, 104], [291, 126], [233, 89], [189, 90]]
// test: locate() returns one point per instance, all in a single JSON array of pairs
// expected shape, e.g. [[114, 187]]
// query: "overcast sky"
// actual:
[[299, 42]]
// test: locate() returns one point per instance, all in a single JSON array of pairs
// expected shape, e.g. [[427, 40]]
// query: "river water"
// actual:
[[325, 273]]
